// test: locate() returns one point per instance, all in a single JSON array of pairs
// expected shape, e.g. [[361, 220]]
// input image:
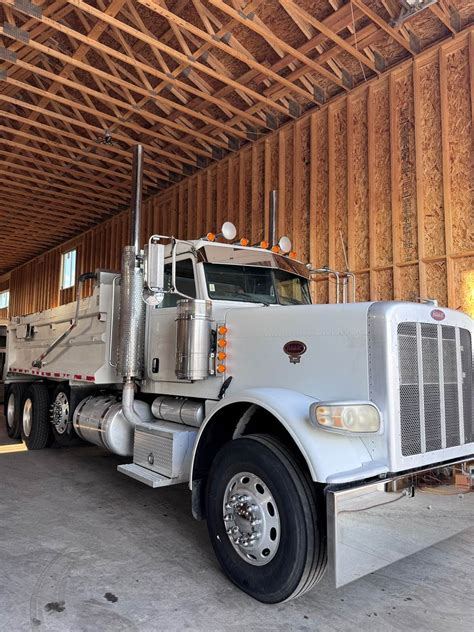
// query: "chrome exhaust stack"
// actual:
[[132, 306]]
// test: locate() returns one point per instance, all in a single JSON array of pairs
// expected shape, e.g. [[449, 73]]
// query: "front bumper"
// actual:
[[375, 524]]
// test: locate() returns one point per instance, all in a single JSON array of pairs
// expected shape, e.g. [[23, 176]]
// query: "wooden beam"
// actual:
[[264, 32], [113, 189], [37, 177], [107, 51], [74, 105], [420, 185], [332, 184], [329, 33], [371, 166], [72, 205], [395, 184], [113, 149], [382, 24], [71, 121], [446, 151], [191, 62], [216, 42], [110, 78]]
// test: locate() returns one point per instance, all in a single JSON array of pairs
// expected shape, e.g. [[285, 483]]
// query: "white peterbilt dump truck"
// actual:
[[313, 437]]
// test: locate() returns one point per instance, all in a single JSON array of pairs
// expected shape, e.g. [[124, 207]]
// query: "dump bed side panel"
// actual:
[[87, 354]]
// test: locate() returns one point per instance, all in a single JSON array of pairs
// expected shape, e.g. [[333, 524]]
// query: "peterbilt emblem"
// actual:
[[294, 349], [438, 314]]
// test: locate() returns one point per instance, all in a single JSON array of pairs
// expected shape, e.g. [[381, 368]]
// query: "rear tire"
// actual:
[[35, 426], [262, 516], [63, 405], [13, 403]]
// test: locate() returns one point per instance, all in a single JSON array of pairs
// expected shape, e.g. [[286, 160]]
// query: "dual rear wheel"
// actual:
[[38, 418]]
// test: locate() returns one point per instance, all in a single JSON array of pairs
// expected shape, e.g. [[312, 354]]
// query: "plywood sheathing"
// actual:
[[372, 165]]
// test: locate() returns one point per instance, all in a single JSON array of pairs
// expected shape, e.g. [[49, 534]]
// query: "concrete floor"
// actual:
[[84, 548]]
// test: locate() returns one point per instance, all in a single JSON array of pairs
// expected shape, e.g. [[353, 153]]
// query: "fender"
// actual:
[[328, 455]]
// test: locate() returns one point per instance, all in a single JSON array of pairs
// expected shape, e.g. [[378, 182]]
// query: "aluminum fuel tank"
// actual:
[[100, 420]]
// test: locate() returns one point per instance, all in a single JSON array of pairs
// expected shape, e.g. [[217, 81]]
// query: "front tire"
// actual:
[[262, 515], [13, 401], [35, 426]]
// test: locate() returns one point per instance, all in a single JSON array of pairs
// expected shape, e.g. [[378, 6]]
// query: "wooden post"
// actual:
[[420, 215], [448, 219]]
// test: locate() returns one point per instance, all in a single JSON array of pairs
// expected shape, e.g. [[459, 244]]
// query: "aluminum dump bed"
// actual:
[[87, 354]]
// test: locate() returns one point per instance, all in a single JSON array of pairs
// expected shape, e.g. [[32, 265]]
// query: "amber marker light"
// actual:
[[222, 330], [244, 241], [211, 237], [276, 248], [220, 368], [222, 355], [264, 244], [293, 255], [221, 343]]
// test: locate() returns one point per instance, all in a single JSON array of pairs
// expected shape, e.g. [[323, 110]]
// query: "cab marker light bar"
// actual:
[[346, 417]]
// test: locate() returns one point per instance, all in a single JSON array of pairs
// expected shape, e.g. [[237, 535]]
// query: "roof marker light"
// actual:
[[228, 231]]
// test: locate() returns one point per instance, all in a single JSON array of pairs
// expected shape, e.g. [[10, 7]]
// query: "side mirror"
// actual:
[[155, 267]]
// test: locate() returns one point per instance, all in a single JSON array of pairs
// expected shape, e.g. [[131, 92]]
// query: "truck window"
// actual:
[[291, 289], [253, 284], [185, 282]]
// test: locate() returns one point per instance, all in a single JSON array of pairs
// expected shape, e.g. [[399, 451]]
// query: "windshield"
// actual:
[[255, 285]]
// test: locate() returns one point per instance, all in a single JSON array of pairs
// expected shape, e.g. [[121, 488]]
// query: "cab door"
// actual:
[[160, 356]]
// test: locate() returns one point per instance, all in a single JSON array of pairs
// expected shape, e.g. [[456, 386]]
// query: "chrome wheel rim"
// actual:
[[11, 410], [27, 416], [60, 413], [251, 518]]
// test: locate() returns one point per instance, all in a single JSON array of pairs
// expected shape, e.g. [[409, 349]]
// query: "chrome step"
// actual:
[[152, 479]]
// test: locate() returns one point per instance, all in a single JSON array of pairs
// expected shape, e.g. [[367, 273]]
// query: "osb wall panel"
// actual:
[[381, 179], [429, 168], [459, 132], [379, 175]]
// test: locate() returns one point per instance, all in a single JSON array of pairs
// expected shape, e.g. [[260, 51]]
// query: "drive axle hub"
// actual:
[[60, 413]]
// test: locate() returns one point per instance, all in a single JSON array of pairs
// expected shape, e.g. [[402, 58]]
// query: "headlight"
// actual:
[[358, 418]]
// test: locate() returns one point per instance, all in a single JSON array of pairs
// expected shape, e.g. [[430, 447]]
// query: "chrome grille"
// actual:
[[436, 401]]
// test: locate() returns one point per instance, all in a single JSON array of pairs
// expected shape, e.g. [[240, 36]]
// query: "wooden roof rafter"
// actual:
[[190, 79]]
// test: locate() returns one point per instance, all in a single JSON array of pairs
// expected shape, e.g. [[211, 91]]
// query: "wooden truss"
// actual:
[[81, 82]]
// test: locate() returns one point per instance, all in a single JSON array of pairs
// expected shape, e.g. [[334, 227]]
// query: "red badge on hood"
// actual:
[[294, 349], [438, 314]]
